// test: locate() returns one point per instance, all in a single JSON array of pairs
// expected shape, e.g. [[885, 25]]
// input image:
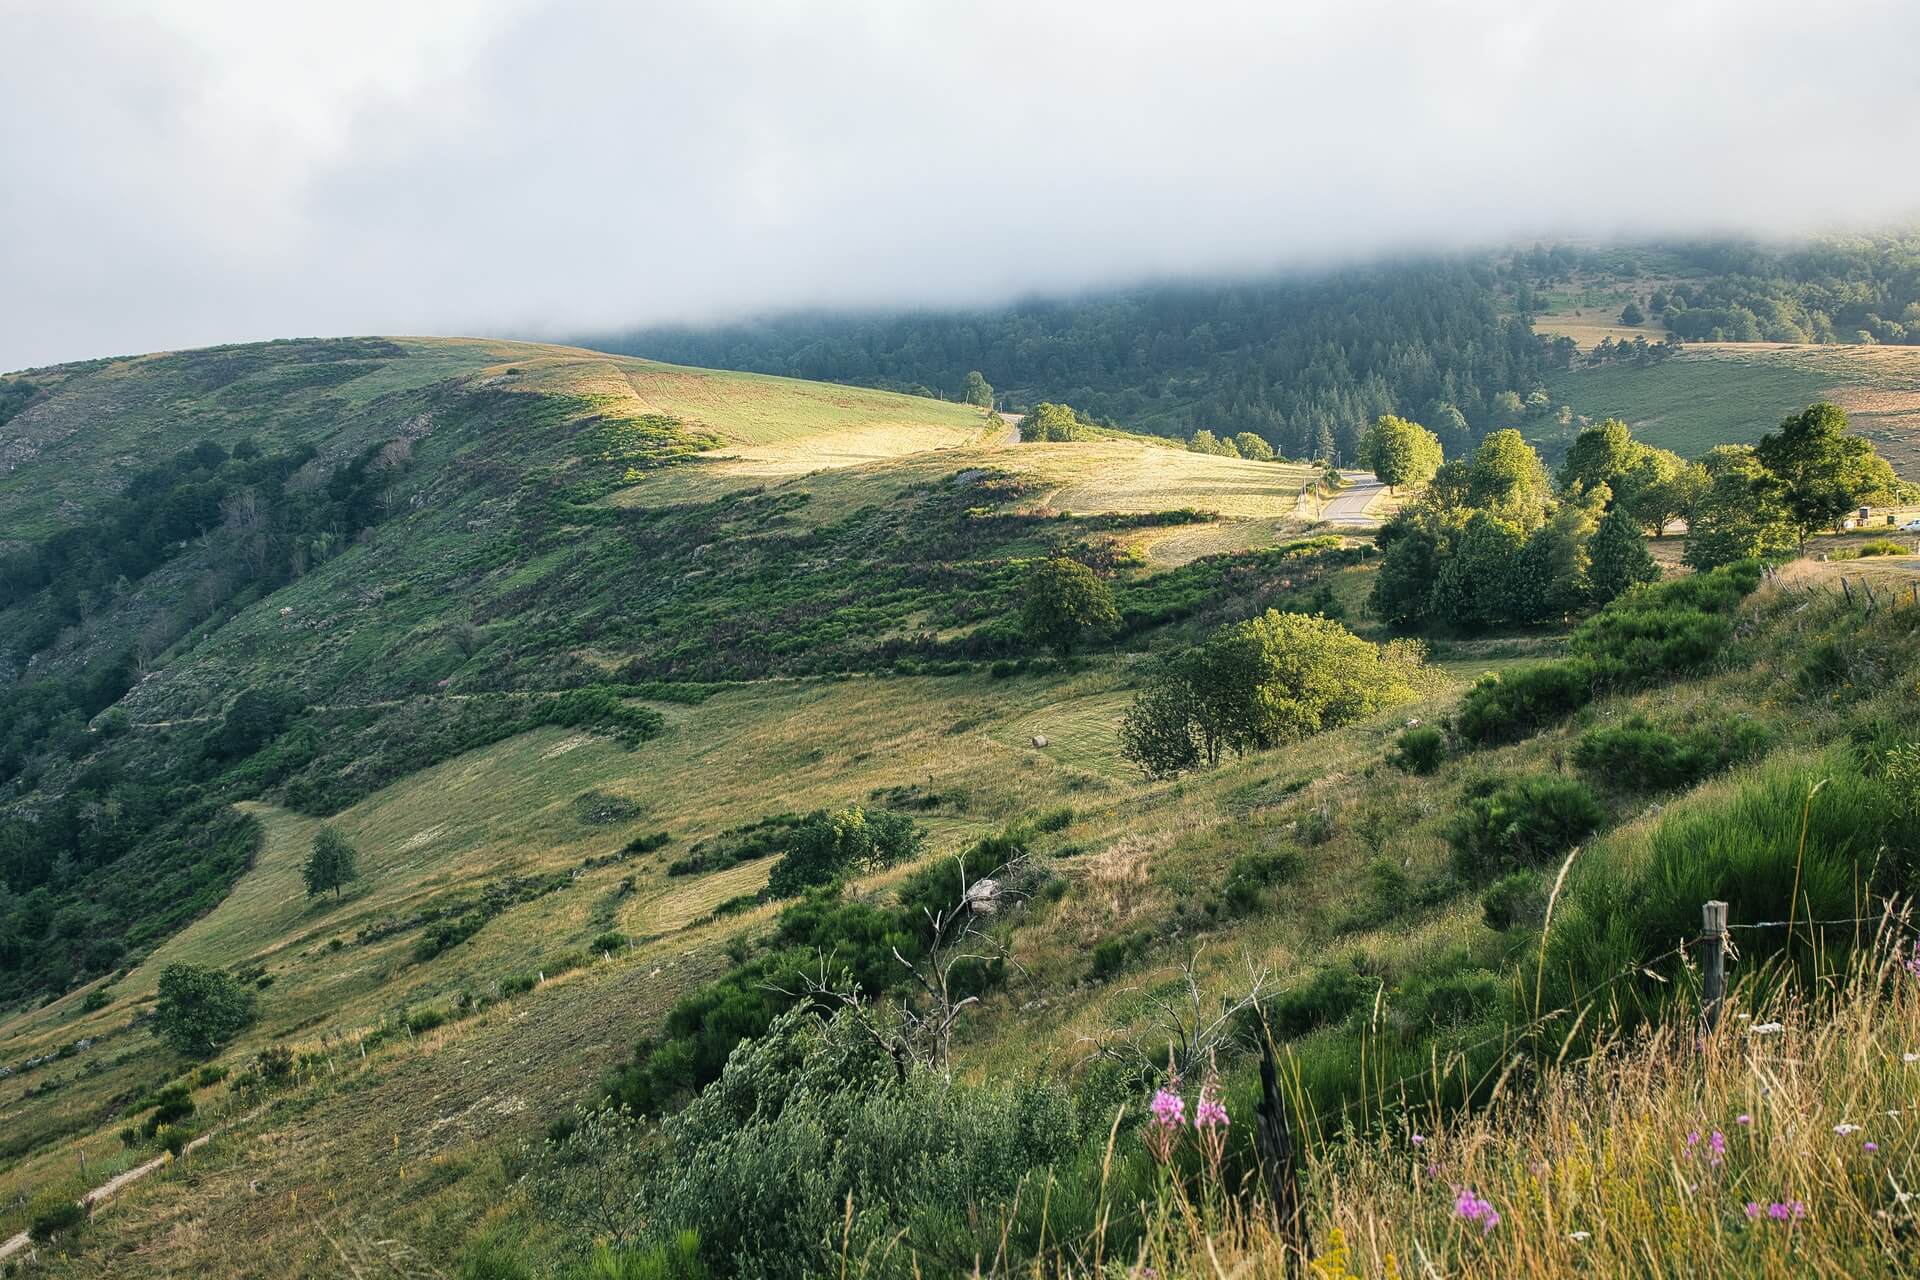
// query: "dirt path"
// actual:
[[105, 1191]]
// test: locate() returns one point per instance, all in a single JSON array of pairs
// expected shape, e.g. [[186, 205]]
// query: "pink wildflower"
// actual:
[[1169, 1116], [1209, 1112], [1472, 1208], [1743, 1118]]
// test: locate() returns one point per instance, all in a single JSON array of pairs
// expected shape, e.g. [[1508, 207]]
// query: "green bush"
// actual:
[[52, 1214], [442, 934], [608, 943], [1419, 750], [1517, 898], [826, 846], [173, 1139], [424, 1020], [1634, 755], [647, 843], [171, 1104], [1330, 996], [1251, 874], [1509, 706], [1439, 1001], [1111, 955], [1506, 826], [1054, 819]]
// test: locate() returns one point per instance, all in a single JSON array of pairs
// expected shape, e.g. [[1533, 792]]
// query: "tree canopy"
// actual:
[[1818, 471], [1400, 452], [332, 864], [1257, 684], [1065, 603], [200, 1009]]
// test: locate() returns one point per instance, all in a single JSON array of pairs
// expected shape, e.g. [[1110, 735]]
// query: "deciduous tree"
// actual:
[[1065, 603], [1818, 471], [1400, 452], [332, 864]]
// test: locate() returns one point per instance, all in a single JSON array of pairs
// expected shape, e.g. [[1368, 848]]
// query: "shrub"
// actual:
[[1252, 873], [647, 843], [424, 1020], [1054, 819], [174, 1138], [608, 943], [1439, 1001], [447, 933], [275, 1064], [1504, 826], [517, 984], [1419, 750], [53, 1213], [1517, 898], [1330, 996], [1111, 955], [95, 1000], [170, 1104], [208, 1075], [1508, 706], [1634, 755], [826, 846]]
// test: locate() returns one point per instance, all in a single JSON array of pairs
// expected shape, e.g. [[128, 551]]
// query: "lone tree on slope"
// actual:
[[1065, 603], [331, 865]]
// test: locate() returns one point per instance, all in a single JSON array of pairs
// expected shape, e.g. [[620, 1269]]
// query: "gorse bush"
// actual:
[[1516, 899], [1419, 750], [1651, 633], [1252, 874], [1503, 826], [1509, 706], [1637, 756]]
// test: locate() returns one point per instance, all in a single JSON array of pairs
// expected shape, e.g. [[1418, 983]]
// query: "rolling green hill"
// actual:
[[544, 634], [1733, 393]]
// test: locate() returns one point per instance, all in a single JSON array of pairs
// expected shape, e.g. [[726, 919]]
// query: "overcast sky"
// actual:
[[178, 172]]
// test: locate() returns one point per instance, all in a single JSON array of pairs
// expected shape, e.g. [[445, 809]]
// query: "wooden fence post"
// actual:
[[1845, 588], [1713, 983], [1279, 1166]]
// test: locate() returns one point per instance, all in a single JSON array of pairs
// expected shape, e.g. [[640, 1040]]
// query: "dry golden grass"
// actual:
[[1787, 1145]]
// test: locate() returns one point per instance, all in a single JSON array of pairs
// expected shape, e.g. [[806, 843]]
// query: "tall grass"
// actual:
[[1660, 1154]]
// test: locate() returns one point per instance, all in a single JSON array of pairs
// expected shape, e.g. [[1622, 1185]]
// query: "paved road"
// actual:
[[1350, 506]]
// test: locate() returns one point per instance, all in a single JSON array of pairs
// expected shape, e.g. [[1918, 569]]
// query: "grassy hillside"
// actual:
[[1733, 393], [602, 616]]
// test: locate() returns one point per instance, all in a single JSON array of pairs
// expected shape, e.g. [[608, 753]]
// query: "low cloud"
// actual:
[[183, 174]]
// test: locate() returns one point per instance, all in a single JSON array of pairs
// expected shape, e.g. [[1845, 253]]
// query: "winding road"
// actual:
[[1349, 507]]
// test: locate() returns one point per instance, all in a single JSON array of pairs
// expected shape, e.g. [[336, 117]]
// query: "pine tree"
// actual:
[[1620, 559]]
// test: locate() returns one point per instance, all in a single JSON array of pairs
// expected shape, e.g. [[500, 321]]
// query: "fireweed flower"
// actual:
[[1169, 1111], [1471, 1208], [1209, 1112]]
